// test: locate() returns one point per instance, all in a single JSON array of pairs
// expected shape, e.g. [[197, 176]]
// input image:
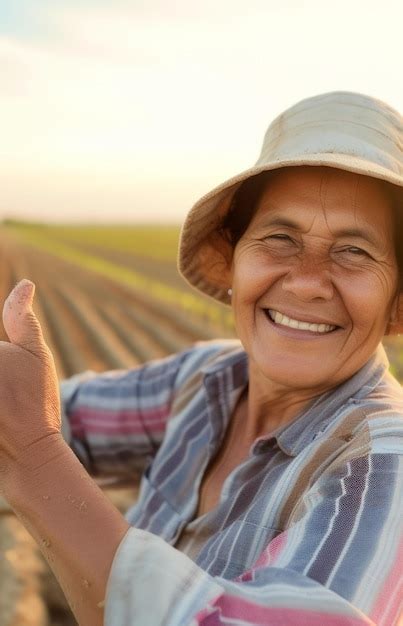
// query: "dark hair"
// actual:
[[243, 207], [245, 201]]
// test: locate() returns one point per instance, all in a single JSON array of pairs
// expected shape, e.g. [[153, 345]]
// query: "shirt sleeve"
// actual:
[[115, 421], [337, 563]]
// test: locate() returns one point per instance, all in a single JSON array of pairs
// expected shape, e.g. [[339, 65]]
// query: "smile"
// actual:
[[283, 320]]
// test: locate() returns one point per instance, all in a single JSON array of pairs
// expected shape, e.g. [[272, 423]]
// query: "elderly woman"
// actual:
[[272, 492]]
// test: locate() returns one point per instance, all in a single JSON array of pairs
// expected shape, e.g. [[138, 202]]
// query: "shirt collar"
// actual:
[[232, 367]]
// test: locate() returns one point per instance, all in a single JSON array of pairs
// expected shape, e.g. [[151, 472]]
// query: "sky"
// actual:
[[130, 111]]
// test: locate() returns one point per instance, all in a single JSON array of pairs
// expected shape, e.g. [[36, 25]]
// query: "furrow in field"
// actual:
[[132, 330], [112, 350], [75, 341], [181, 327], [73, 357], [156, 270], [165, 271], [70, 342], [172, 321], [207, 315], [121, 342], [124, 310], [77, 347], [170, 328], [148, 337], [142, 344]]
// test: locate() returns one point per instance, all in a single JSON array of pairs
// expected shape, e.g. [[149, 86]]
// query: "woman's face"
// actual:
[[314, 277]]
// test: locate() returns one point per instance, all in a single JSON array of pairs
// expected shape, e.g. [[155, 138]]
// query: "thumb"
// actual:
[[20, 322]]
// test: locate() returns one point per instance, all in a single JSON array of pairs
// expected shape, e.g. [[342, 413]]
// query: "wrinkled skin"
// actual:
[[29, 389], [312, 271]]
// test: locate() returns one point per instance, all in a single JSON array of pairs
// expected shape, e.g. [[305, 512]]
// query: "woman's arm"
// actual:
[[76, 527], [115, 421]]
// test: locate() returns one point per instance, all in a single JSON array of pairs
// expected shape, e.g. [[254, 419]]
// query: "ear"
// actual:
[[395, 324]]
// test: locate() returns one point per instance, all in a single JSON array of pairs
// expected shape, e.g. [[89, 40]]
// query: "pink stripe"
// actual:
[[272, 551], [383, 614], [118, 429], [125, 423], [226, 608], [267, 557]]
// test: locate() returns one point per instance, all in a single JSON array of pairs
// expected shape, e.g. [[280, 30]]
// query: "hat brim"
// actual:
[[201, 262]]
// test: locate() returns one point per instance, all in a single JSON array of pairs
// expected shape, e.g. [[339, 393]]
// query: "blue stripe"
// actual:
[[381, 488], [352, 488]]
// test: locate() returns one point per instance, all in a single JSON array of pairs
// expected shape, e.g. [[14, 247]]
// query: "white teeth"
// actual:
[[278, 318]]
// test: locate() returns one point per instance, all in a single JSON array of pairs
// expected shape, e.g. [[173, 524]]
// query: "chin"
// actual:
[[296, 370]]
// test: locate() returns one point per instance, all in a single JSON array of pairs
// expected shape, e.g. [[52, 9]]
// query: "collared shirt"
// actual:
[[308, 528]]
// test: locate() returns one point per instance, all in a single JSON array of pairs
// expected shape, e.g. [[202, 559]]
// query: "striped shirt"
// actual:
[[308, 528]]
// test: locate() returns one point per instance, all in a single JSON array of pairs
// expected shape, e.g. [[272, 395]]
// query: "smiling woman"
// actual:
[[273, 463], [319, 251]]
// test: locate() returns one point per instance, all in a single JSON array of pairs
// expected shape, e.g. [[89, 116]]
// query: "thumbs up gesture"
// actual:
[[29, 389]]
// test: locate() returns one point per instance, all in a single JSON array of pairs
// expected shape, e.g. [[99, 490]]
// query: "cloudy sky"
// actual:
[[131, 110]]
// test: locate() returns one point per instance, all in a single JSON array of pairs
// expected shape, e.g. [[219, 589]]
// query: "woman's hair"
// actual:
[[246, 199], [243, 206]]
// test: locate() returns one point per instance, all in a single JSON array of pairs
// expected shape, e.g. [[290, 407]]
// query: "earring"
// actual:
[[229, 292]]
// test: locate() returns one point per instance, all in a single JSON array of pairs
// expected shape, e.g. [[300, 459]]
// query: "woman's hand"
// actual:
[[29, 389]]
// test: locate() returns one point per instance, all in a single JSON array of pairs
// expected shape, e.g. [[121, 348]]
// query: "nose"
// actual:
[[309, 279]]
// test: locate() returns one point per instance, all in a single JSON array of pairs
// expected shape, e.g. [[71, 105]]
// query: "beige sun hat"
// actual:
[[340, 129]]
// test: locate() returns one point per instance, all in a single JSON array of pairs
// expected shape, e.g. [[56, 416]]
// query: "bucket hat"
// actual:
[[340, 129]]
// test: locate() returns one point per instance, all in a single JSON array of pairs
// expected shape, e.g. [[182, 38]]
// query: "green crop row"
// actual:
[[190, 303], [157, 242]]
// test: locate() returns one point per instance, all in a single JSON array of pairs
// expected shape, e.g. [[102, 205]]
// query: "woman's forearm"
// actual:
[[76, 527]]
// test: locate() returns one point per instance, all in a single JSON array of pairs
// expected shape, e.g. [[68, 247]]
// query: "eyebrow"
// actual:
[[361, 233]]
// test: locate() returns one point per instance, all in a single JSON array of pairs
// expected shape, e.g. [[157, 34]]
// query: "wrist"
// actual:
[[37, 465]]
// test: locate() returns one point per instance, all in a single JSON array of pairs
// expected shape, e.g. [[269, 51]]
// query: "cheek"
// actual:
[[252, 276], [367, 297]]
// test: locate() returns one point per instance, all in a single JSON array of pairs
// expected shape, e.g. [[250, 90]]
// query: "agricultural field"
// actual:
[[107, 298], [104, 305]]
